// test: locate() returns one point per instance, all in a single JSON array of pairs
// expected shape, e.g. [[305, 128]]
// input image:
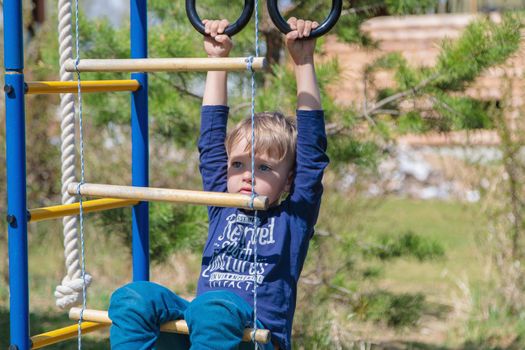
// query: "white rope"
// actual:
[[69, 292]]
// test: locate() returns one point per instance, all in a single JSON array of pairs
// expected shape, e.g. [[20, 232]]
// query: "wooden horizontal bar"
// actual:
[[197, 64], [61, 334], [58, 211], [62, 87], [217, 199], [177, 326]]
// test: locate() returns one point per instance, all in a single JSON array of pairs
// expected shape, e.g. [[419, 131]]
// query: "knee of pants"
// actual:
[[146, 302], [219, 307], [132, 296]]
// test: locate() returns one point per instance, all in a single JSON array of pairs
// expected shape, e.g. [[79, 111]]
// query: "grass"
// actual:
[[456, 226], [459, 228], [446, 283]]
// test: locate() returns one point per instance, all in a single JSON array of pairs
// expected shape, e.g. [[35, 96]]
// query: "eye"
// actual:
[[264, 167], [236, 165]]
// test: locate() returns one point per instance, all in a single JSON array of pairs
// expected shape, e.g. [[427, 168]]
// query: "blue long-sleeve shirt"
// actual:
[[283, 232]]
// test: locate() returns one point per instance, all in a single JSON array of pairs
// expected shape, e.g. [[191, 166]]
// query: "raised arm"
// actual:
[[214, 114], [216, 45], [311, 159], [302, 53]]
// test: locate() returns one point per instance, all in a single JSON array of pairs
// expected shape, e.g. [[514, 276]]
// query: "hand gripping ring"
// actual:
[[324, 28], [232, 29]]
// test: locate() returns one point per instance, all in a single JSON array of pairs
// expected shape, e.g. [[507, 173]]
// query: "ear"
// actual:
[[289, 181]]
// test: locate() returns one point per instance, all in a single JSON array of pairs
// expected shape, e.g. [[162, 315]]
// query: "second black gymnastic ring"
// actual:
[[329, 22], [232, 29]]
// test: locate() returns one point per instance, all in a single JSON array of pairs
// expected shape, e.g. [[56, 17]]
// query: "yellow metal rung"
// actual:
[[61, 87], [61, 334], [59, 211]]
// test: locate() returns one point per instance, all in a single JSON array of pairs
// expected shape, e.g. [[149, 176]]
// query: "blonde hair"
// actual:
[[275, 135]]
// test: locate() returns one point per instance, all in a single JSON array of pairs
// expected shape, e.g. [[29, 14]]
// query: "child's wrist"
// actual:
[[304, 61], [304, 67]]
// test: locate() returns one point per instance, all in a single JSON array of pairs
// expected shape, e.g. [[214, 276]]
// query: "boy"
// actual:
[[287, 160]]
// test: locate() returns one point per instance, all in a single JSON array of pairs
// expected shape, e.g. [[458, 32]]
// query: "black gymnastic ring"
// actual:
[[232, 29], [329, 22]]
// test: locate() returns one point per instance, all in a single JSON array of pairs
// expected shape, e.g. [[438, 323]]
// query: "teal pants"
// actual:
[[216, 319]]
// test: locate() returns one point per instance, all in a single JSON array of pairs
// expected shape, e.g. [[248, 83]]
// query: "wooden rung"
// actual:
[[178, 326], [197, 64], [61, 334], [58, 211], [62, 87], [217, 199]]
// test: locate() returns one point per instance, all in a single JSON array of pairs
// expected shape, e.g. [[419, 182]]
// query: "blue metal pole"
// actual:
[[16, 174], [13, 35], [139, 135]]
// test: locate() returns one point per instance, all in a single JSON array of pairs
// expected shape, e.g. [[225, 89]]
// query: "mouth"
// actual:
[[246, 190]]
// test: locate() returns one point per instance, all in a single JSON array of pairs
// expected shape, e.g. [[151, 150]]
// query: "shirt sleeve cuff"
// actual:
[[313, 113], [215, 108]]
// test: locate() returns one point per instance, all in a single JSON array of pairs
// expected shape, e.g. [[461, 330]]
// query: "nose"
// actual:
[[247, 176]]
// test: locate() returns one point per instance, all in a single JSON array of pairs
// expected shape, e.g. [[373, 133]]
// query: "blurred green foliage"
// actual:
[[406, 245], [396, 310]]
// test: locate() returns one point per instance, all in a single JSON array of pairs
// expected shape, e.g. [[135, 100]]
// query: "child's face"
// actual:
[[272, 177]]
